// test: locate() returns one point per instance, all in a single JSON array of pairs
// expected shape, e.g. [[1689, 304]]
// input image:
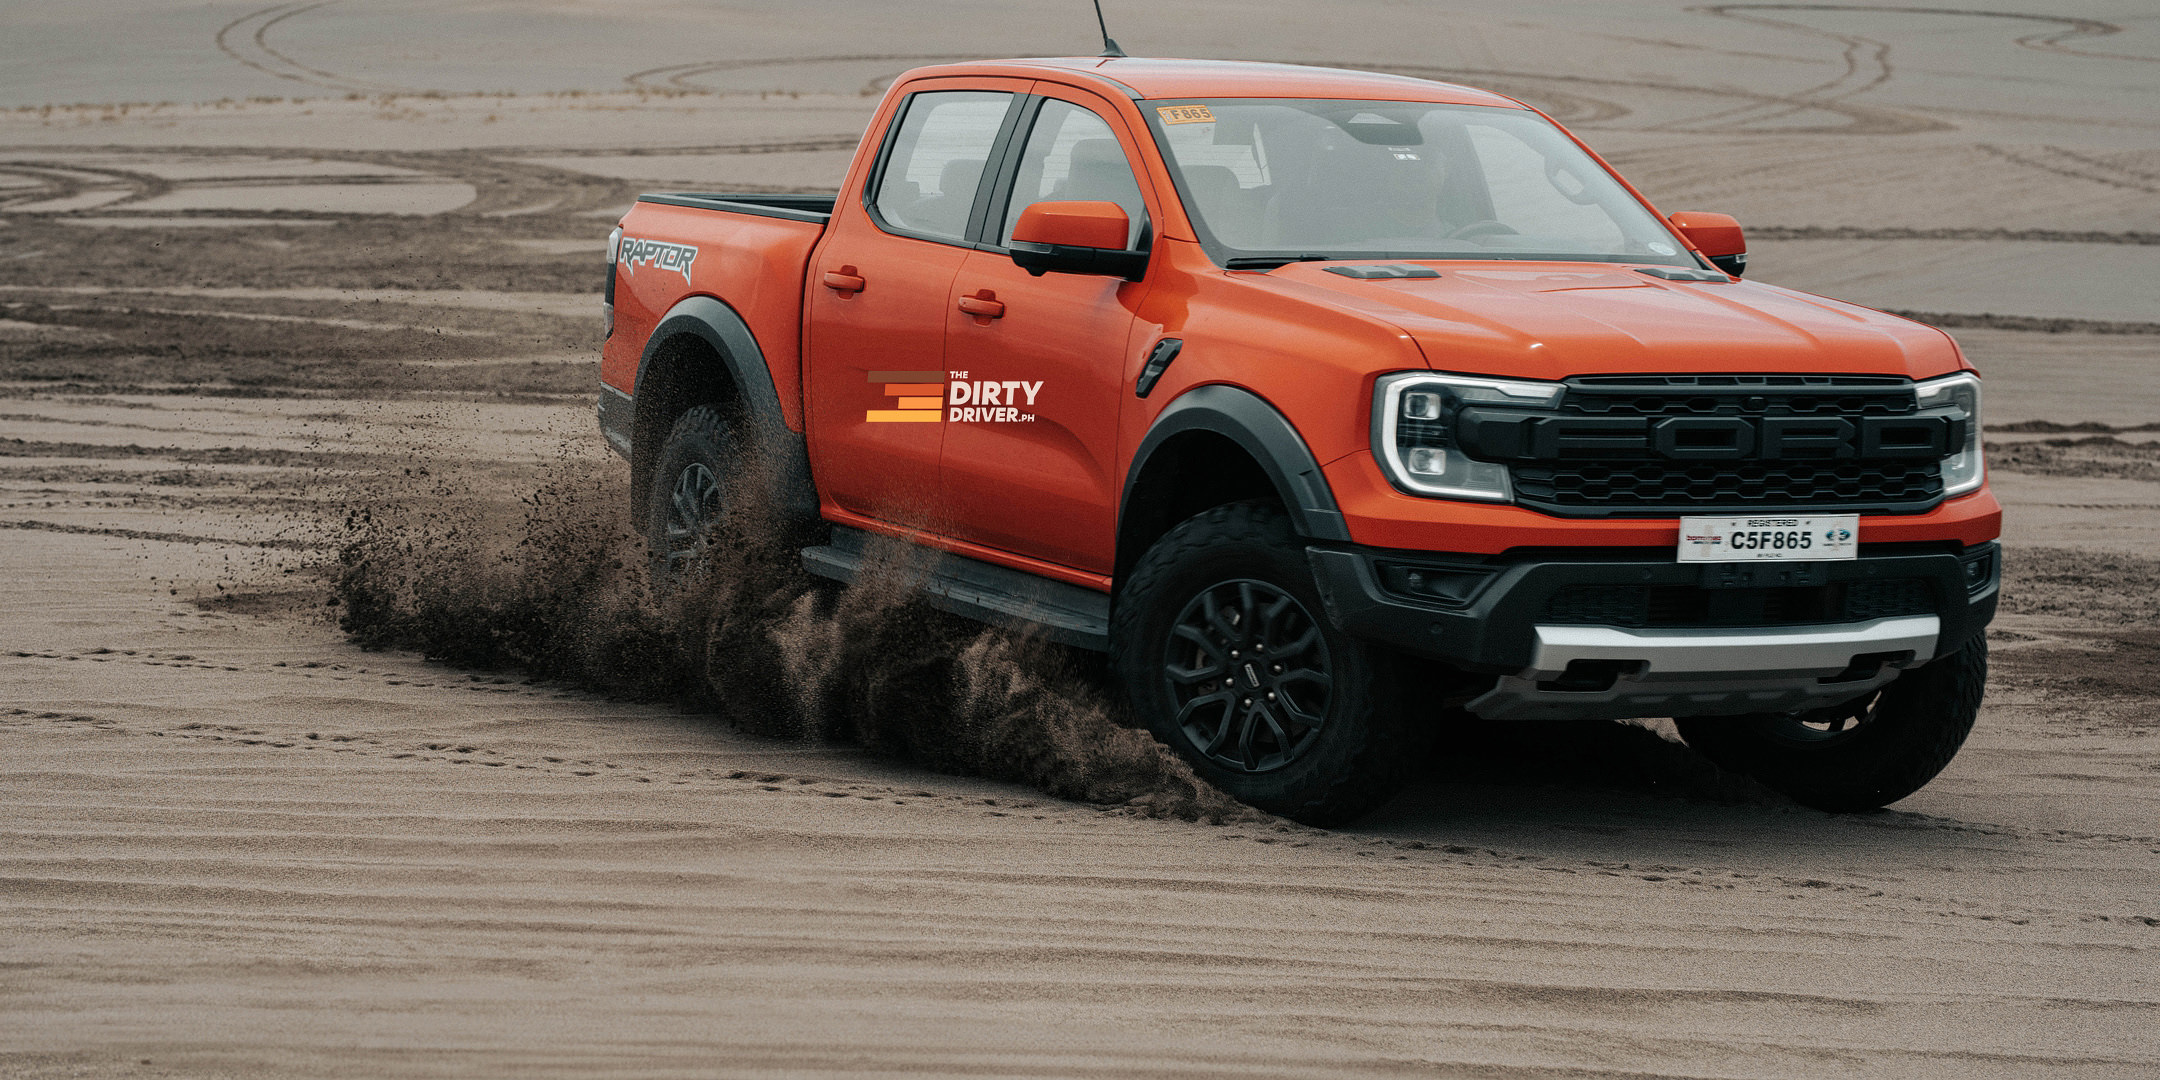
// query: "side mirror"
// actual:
[[1717, 236], [1079, 237]]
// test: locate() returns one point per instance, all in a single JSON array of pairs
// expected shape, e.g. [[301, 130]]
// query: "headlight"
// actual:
[[1963, 470], [1413, 426]]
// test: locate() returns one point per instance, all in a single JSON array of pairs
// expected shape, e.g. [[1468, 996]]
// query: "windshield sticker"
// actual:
[[658, 253], [1185, 114], [1660, 247]]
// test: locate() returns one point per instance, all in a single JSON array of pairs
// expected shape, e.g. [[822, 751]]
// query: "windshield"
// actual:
[[1274, 180]]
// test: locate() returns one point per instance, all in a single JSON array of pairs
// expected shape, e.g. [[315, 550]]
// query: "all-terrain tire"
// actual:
[[1901, 740], [690, 493], [1237, 577]]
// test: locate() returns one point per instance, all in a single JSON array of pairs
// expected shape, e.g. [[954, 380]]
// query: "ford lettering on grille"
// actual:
[[1650, 445], [1508, 435]]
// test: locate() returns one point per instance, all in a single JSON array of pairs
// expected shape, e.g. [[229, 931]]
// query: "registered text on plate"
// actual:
[[1770, 538]]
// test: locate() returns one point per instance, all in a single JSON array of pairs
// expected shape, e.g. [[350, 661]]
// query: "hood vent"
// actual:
[[1384, 271]]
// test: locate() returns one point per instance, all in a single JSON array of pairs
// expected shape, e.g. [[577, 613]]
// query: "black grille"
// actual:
[[1640, 482], [1672, 485], [1888, 599], [1739, 395], [1687, 605]]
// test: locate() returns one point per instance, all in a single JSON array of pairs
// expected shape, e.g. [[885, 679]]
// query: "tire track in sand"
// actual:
[[2070, 27], [681, 78], [246, 40], [2061, 162], [1868, 65]]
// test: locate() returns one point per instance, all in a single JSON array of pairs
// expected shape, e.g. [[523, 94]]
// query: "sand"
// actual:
[[234, 844]]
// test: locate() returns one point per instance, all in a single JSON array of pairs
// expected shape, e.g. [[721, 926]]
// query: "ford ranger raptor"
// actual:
[[1337, 408]]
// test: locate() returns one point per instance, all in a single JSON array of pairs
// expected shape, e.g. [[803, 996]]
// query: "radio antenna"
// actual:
[[1109, 47]]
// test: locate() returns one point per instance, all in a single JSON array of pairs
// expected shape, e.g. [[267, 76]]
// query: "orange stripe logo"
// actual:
[[920, 396]]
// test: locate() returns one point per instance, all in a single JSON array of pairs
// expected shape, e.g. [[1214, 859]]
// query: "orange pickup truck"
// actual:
[[1339, 408]]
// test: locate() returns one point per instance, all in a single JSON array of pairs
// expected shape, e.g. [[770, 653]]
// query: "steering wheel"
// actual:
[[1486, 227]]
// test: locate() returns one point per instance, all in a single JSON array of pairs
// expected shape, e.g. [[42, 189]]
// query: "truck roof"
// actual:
[[1161, 78]]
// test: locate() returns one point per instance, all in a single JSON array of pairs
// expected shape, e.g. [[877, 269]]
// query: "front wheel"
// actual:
[[1220, 642], [1864, 754]]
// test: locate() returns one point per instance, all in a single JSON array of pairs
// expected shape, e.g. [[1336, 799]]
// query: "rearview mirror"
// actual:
[[1717, 236], [1076, 237]]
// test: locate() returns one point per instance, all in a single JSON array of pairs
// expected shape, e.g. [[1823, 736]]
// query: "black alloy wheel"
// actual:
[[690, 493], [693, 505], [1249, 671], [1219, 638]]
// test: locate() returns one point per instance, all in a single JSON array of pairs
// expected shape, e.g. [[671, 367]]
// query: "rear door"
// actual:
[[874, 367], [1030, 458]]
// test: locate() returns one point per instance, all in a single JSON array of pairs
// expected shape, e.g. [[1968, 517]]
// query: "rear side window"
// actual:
[[938, 156], [1071, 155]]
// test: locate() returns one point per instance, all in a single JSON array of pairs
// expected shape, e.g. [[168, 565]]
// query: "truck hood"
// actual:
[[1550, 321]]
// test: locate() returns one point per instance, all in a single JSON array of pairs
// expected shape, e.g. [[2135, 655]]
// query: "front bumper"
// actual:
[[1517, 619]]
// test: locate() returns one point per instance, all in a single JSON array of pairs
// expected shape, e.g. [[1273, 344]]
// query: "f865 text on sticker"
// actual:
[[666, 256]]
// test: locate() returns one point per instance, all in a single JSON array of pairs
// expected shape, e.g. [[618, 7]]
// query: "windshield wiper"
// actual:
[[1270, 262]]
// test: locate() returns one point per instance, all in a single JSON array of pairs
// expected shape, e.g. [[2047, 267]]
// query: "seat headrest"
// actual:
[[1097, 154], [959, 177], [1099, 171], [1212, 178]]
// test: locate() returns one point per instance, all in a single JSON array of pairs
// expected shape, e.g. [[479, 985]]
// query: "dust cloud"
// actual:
[[558, 588]]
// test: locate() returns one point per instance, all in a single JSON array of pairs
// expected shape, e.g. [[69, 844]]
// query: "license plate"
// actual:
[[1820, 538]]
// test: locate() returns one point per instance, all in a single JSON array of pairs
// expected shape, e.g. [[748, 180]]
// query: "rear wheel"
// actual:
[[1864, 754], [1221, 644], [690, 492]]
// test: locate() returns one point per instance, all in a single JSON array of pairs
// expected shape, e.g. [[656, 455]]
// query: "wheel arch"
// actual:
[[703, 353], [1217, 444]]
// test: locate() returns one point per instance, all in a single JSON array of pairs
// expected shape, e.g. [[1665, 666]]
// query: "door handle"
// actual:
[[844, 280], [983, 305]]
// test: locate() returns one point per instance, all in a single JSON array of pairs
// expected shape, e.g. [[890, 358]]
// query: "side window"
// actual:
[[928, 185], [1071, 155]]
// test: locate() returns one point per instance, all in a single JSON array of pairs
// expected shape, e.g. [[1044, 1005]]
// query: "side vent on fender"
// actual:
[[1158, 361]]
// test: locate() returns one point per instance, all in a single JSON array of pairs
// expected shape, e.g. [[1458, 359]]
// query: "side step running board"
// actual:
[[1063, 613]]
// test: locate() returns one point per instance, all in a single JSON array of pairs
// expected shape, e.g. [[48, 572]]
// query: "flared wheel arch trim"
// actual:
[[713, 322]]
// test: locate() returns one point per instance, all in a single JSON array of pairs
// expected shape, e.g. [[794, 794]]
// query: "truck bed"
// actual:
[[748, 251]]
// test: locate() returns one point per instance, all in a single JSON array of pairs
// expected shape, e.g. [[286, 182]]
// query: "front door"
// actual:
[[1038, 364], [874, 364]]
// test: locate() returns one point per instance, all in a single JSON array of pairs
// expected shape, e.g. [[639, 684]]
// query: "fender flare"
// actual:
[[1248, 420], [715, 323]]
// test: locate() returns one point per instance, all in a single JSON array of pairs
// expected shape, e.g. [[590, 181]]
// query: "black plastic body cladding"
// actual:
[[1242, 417], [720, 327]]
